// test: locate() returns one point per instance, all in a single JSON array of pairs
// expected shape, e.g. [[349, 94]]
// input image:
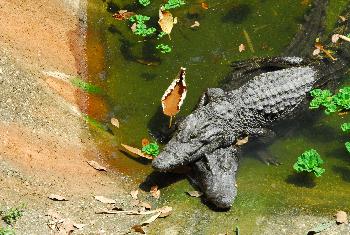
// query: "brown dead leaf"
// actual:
[[195, 24], [144, 142], [195, 193], [123, 15], [241, 47], [105, 200], [115, 122], [56, 197], [165, 211], [97, 166], [151, 219], [341, 217], [321, 48], [134, 194], [242, 141], [138, 228], [166, 21], [136, 151], [205, 5], [175, 95], [155, 192]]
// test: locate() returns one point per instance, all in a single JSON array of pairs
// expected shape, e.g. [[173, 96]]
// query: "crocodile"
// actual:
[[277, 87]]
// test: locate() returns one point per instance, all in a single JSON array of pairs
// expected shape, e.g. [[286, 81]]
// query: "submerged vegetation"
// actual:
[[309, 161], [85, 86]]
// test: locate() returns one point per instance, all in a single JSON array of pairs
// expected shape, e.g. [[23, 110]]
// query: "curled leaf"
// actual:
[[175, 95], [242, 141], [195, 24], [241, 47], [115, 122], [166, 21], [155, 192], [205, 5], [123, 15], [97, 166]]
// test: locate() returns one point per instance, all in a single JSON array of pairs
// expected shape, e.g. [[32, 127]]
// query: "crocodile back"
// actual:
[[274, 95]]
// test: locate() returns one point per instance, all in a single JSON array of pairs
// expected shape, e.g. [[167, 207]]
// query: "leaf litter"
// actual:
[[96, 166], [136, 151]]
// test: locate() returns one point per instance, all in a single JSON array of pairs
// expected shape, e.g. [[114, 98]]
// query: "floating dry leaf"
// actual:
[[195, 24], [97, 166], [165, 211], [195, 193], [242, 141], [136, 151], [321, 48], [336, 37], [166, 21], [133, 27], [105, 200], [123, 15], [151, 219], [144, 142], [175, 20], [138, 228], [341, 217], [175, 95], [134, 194], [56, 197], [241, 47], [205, 5], [155, 192], [115, 122]]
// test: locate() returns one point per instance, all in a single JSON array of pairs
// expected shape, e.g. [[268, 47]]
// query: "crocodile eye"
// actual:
[[192, 136]]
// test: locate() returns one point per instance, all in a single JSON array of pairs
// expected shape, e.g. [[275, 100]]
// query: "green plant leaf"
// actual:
[[347, 146], [309, 161], [141, 28], [173, 4], [151, 149], [164, 48], [144, 2]]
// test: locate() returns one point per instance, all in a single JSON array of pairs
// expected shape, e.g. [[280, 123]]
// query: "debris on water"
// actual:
[[105, 200], [136, 151], [166, 21], [115, 122], [336, 37], [97, 166], [138, 228], [249, 41], [175, 95], [205, 5], [195, 24], [241, 47], [56, 197], [194, 193], [123, 15]]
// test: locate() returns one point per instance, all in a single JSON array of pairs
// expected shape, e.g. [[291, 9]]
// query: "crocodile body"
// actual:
[[205, 139]]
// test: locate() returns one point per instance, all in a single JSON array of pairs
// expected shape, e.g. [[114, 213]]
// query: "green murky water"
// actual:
[[117, 60]]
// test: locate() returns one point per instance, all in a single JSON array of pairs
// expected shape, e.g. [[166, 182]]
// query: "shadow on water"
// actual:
[[344, 172], [237, 14], [306, 180], [161, 179]]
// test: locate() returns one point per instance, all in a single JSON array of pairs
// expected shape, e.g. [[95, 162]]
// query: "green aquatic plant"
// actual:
[[332, 103], [144, 2], [85, 86], [151, 149], [161, 34], [309, 161], [7, 231], [173, 4], [141, 28], [13, 214], [347, 146], [163, 48], [345, 127]]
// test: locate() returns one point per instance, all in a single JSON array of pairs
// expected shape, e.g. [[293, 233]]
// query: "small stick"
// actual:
[[171, 120]]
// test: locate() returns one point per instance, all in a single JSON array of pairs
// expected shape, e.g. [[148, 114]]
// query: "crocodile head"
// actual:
[[197, 134]]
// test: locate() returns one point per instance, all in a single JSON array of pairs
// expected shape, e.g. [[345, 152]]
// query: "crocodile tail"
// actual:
[[313, 27]]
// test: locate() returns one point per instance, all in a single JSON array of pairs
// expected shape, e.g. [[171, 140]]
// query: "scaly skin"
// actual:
[[206, 138]]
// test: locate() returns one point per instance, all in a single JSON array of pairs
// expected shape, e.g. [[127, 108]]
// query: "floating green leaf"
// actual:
[[164, 48], [85, 86], [151, 149], [144, 2], [173, 4], [140, 26], [309, 161]]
